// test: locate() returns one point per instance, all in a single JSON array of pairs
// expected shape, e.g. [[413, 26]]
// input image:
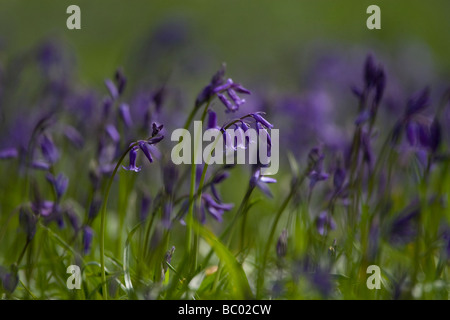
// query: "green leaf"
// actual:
[[239, 282], [126, 264]]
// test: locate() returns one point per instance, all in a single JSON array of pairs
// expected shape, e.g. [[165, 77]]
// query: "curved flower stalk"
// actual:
[[132, 151]]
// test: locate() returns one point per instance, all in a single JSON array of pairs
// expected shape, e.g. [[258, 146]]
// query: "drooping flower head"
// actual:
[[226, 91], [215, 209], [230, 89], [260, 181], [145, 146]]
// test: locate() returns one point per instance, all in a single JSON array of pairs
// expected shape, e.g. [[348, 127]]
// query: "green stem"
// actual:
[[260, 281], [103, 220], [23, 252], [193, 249]]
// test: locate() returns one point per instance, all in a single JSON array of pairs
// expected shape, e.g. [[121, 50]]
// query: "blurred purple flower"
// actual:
[[321, 280], [207, 92], [49, 150], [73, 219], [417, 102], [260, 181], [40, 165], [146, 202], [215, 209], [170, 177], [112, 89], [403, 228], [27, 221], [324, 223], [9, 153], [315, 162], [88, 234], [121, 80], [59, 184], [282, 244], [74, 136], [212, 120], [43, 208], [158, 98], [339, 178], [124, 112], [230, 88], [113, 133], [94, 207], [10, 279]]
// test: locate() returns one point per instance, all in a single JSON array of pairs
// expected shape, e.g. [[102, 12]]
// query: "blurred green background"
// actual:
[[251, 34]]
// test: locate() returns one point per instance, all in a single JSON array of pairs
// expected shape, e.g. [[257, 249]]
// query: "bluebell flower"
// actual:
[[107, 105], [132, 165], [74, 136], [121, 81], [40, 165], [324, 223], [170, 177], [230, 88], [158, 98], [215, 209], [124, 112], [417, 102], [49, 150], [9, 279], [207, 92], [9, 153], [113, 133], [403, 228], [282, 244], [144, 210], [145, 146], [259, 119], [212, 120], [339, 178], [73, 219], [27, 221], [59, 183], [260, 181], [42, 207], [88, 234], [218, 178], [112, 89], [316, 176], [94, 207]]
